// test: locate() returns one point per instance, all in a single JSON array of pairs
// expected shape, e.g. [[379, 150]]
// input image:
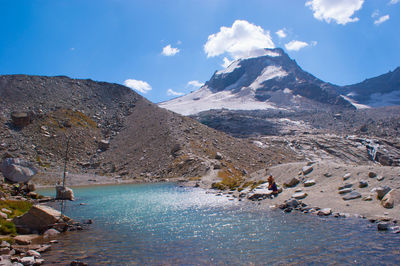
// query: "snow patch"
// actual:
[[270, 72], [287, 91], [204, 99], [235, 64], [355, 104]]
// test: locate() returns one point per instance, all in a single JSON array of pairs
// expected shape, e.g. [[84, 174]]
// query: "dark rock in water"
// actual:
[[292, 183], [383, 226], [20, 119], [352, 195], [362, 184], [17, 170]]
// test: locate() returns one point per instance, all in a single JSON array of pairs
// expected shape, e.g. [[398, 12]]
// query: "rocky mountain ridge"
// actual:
[[116, 132]]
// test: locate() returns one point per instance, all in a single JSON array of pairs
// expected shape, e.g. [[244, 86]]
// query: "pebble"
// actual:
[[362, 184], [345, 190], [352, 195], [299, 195], [346, 185], [346, 176], [309, 183], [371, 174], [380, 178]]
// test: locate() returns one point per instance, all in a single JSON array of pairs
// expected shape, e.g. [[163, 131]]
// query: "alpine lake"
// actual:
[[166, 224]]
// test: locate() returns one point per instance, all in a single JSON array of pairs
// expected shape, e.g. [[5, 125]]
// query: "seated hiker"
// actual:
[[272, 185]]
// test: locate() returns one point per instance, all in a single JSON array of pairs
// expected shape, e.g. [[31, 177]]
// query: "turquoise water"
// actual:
[[169, 225]]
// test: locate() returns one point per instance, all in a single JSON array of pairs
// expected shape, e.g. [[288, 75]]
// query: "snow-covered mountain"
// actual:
[[272, 81]]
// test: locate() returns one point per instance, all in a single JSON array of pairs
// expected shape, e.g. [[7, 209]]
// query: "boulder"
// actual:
[[20, 119], [309, 183], [382, 191], [38, 219], [307, 169], [292, 183], [292, 203], [352, 195], [362, 184], [346, 176], [64, 193], [17, 170], [299, 195], [259, 194]]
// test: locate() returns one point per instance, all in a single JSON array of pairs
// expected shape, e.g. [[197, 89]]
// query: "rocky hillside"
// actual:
[[116, 132]]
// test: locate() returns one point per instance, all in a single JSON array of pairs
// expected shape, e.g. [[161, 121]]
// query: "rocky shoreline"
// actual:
[[325, 189]]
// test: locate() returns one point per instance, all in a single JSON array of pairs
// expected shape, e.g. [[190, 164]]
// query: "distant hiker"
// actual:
[[272, 185]]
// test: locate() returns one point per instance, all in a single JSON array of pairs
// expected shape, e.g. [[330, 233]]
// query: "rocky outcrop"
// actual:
[[17, 170]]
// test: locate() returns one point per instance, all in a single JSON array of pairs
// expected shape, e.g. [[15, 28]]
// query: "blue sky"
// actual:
[[121, 41]]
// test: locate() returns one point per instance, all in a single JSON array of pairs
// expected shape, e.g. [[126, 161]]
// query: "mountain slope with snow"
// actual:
[[273, 81]]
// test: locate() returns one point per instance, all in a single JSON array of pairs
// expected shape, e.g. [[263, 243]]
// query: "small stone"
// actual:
[[346, 185], [325, 212], [39, 261], [307, 169], [292, 183], [352, 195], [33, 253], [346, 176], [28, 261], [380, 178], [218, 156], [51, 233], [367, 198], [78, 263], [362, 184], [327, 174], [388, 200], [382, 191], [299, 195], [3, 215], [383, 226], [6, 211], [345, 190], [309, 183], [371, 175]]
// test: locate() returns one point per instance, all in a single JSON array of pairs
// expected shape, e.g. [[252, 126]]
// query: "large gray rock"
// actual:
[[20, 119], [352, 195], [390, 198], [38, 219], [325, 212], [64, 193], [28, 261], [17, 170]]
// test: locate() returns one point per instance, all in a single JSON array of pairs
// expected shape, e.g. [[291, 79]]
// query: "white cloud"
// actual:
[[171, 92], [295, 45], [242, 40], [393, 2], [139, 85], [169, 51], [341, 11], [194, 84], [381, 19], [314, 43], [281, 33], [375, 14]]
